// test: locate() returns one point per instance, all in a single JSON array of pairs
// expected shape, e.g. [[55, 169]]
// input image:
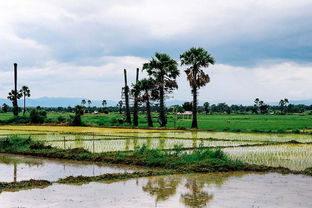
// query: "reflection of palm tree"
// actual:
[[79, 141], [162, 187], [15, 172], [127, 144], [196, 197]]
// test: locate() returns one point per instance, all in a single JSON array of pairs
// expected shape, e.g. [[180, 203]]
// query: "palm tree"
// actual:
[[283, 103], [146, 86], [14, 95], [25, 91], [104, 103], [89, 103], [120, 106], [83, 102], [196, 58], [164, 71]]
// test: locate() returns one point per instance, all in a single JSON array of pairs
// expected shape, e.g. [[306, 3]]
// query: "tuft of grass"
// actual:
[[14, 186]]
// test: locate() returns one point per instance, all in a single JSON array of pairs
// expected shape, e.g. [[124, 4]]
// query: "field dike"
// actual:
[[206, 160]]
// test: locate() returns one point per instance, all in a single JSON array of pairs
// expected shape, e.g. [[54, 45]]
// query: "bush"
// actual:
[[61, 119], [76, 119], [37, 116]]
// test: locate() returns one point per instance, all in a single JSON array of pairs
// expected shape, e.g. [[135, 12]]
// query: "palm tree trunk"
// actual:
[[24, 105], [194, 107], [162, 116], [15, 105], [148, 112], [135, 105], [128, 116]]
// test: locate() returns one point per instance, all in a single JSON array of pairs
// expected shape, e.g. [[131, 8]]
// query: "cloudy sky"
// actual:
[[78, 48]]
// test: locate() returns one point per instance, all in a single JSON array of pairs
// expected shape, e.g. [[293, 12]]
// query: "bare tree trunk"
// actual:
[[148, 112], [15, 106], [135, 105], [194, 107], [24, 111], [128, 116]]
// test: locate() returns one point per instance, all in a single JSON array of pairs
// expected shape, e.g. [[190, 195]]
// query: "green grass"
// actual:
[[200, 160], [232, 122]]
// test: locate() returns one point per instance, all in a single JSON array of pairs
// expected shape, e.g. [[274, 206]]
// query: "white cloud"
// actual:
[[56, 79], [230, 84], [271, 82], [79, 48]]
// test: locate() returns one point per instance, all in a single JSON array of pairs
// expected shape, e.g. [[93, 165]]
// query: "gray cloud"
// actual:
[[72, 42]]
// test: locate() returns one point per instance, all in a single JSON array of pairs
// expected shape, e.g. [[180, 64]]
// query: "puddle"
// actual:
[[18, 168], [195, 190], [292, 156]]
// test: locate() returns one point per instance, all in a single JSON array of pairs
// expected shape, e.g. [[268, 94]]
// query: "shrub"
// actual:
[[76, 119], [37, 116], [61, 119]]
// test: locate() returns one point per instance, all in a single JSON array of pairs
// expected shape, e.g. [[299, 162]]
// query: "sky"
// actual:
[[79, 48]]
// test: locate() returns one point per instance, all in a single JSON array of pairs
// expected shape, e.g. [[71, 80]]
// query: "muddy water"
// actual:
[[206, 190], [18, 168]]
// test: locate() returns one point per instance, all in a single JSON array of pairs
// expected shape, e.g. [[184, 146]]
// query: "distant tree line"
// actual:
[[206, 108]]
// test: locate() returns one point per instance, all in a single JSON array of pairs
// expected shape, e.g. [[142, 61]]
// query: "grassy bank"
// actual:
[[16, 186], [201, 160], [232, 122]]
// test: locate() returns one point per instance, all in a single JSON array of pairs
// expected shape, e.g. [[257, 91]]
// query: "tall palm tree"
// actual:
[[146, 87], [164, 71], [196, 58], [25, 91], [14, 95]]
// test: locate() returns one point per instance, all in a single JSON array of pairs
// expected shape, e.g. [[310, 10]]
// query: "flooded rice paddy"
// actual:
[[253, 148], [225, 190], [17, 168], [193, 190]]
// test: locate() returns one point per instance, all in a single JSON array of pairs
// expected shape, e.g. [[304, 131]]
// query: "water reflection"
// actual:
[[18, 168], [194, 187], [161, 188], [196, 195], [224, 190]]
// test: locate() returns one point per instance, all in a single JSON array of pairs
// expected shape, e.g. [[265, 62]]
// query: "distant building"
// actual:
[[185, 115]]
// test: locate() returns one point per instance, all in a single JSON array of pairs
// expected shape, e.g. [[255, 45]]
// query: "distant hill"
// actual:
[[57, 102]]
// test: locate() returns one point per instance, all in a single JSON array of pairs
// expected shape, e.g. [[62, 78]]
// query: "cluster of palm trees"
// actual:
[[162, 72], [15, 95], [89, 102]]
